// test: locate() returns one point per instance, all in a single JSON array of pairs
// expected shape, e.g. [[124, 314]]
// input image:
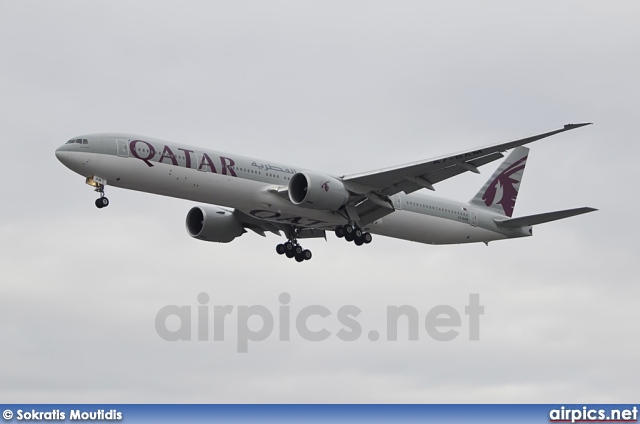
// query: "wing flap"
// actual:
[[369, 211], [452, 171], [256, 225], [306, 233]]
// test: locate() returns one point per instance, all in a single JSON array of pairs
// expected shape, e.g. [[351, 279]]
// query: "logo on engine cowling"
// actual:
[[325, 186]]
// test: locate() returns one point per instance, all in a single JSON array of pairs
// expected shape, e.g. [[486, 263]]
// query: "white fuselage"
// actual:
[[249, 185]]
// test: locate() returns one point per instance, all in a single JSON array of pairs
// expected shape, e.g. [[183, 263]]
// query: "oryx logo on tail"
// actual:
[[501, 190]]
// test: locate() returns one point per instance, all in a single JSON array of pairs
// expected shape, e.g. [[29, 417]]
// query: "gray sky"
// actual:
[[342, 87]]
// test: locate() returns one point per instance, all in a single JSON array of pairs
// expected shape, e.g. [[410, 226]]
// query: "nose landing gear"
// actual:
[[102, 201], [98, 185]]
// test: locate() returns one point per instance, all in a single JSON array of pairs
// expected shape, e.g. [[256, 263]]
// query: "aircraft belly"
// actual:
[[249, 196], [430, 229]]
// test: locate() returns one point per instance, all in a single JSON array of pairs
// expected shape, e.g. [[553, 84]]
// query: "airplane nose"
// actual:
[[61, 154]]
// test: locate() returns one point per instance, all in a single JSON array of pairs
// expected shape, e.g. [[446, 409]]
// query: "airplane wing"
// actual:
[[374, 187], [260, 227], [424, 174]]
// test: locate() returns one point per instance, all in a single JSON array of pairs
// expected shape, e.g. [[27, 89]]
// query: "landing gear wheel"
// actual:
[[357, 233], [292, 249], [348, 229], [102, 202], [358, 241], [339, 232], [306, 254], [367, 237], [348, 236]]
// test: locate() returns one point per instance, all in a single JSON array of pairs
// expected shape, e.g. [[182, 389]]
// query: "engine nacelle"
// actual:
[[213, 224], [317, 191]]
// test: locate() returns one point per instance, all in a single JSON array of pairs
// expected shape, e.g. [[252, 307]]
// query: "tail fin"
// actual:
[[499, 193]]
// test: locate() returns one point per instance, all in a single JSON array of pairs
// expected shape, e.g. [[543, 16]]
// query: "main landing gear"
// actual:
[[354, 234], [102, 201], [291, 249]]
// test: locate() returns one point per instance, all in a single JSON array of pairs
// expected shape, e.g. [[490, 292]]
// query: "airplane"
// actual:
[[241, 193]]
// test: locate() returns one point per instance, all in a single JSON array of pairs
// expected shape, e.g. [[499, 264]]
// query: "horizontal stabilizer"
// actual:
[[541, 218]]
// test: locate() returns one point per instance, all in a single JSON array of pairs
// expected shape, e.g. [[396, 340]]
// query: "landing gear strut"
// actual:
[[102, 201], [291, 249], [354, 234]]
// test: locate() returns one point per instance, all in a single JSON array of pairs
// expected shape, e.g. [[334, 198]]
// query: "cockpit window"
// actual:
[[83, 141]]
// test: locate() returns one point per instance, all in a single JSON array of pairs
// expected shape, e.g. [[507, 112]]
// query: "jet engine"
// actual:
[[213, 224], [317, 191]]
